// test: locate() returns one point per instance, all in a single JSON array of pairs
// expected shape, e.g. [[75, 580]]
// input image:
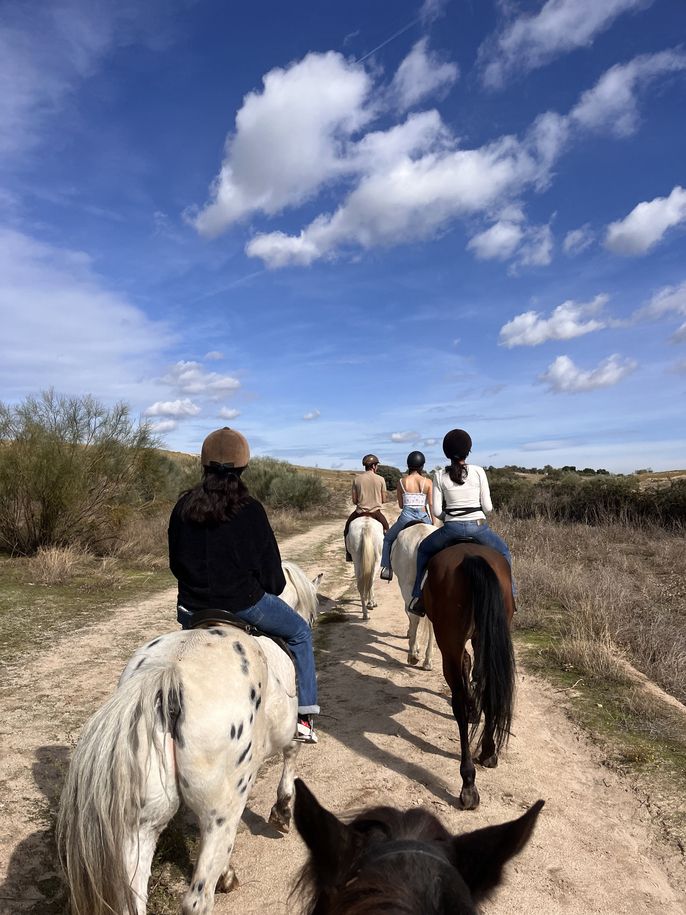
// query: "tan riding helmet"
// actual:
[[369, 460], [226, 448]]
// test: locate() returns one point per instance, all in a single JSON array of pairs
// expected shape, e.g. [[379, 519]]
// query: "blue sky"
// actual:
[[345, 228]]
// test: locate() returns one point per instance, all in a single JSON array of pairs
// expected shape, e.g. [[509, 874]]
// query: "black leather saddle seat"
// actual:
[[205, 619]]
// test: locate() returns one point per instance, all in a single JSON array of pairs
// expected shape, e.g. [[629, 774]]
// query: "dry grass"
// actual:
[[143, 541], [605, 592], [56, 565]]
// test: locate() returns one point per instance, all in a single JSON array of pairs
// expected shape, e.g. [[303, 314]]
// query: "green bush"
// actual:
[[390, 474], [70, 469], [278, 484]]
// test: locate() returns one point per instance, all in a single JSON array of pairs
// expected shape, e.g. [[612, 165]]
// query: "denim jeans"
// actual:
[[450, 533], [273, 616], [406, 516]]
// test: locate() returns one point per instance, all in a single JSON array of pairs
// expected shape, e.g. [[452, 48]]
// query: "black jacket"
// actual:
[[226, 566]]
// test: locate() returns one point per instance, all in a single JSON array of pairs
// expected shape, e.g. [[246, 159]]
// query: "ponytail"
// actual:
[[457, 471]]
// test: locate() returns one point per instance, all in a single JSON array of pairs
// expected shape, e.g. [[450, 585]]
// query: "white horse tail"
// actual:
[[98, 819], [368, 564]]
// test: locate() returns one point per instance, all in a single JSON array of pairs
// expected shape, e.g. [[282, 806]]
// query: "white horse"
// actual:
[[194, 716], [404, 563], [364, 543]]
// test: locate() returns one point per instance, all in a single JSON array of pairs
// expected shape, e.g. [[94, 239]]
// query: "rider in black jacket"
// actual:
[[224, 555]]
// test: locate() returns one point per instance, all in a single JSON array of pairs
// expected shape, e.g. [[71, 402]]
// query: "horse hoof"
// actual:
[[489, 762], [227, 881], [428, 665], [280, 821], [469, 798], [412, 659]]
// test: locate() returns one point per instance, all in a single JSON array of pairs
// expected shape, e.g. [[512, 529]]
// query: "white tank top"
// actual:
[[413, 499]]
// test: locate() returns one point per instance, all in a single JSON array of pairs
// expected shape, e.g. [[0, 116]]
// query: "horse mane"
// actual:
[[307, 593]]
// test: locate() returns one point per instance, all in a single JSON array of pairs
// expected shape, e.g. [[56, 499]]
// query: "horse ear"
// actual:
[[323, 833], [482, 854], [317, 581]]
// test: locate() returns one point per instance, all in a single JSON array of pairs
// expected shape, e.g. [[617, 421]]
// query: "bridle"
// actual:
[[399, 847]]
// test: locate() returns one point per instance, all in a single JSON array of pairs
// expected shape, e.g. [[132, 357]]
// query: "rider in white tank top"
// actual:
[[415, 507]]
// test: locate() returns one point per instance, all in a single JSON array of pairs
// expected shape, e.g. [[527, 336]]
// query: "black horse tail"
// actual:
[[494, 664]]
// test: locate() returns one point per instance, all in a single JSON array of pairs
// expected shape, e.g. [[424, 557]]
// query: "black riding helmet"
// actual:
[[415, 460], [457, 444]]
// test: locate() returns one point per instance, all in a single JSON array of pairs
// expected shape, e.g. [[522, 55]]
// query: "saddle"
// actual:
[[204, 619]]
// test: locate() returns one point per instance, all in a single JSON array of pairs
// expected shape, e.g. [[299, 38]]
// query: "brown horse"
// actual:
[[468, 595], [389, 860]]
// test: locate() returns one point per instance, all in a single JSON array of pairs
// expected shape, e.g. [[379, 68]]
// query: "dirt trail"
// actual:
[[386, 735]]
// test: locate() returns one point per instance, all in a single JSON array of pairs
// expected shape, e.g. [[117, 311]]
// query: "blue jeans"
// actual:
[[273, 616], [406, 516], [450, 533]]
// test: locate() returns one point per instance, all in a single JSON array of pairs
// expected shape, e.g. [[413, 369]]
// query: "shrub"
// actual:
[[279, 485], [69, 470], [390, 474]]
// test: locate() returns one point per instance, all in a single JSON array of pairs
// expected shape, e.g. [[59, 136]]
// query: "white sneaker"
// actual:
[[305, 730]]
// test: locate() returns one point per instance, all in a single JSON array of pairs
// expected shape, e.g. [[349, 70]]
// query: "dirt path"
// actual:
[[386, 735]]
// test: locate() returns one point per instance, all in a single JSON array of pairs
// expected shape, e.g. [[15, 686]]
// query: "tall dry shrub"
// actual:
[[69, 466]]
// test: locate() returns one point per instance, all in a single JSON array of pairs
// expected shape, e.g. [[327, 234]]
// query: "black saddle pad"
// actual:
[[206, 618]]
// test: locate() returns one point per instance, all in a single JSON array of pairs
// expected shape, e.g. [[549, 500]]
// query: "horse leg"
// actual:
[[469, 796], [429, 654], [218, 827], [161, 801], [282, 811], [413, 653], [488, 756]]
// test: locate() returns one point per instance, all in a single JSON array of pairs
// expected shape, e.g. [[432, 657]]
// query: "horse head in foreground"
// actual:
[[387, 860], [195, 715], [364, 542]]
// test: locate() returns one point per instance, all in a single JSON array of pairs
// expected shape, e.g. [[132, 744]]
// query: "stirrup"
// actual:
[[304, 732], [416, 606], [386, 573]]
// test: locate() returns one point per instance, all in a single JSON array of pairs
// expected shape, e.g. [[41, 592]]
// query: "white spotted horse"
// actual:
[[194, 716]]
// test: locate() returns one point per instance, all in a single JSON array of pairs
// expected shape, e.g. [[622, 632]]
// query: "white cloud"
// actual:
[[499, 242], [289, 139], [577, 240], [402, 184], [48, 49], [666, 301], [62, 326], [566, 322], [405, 436], [511, 237], [432, 10], [214, 356], [409, 199], [420, 74], [430, 441], [163, 425], [646, 224], [313, 414], [679, 335], [560, 26], [563, 376], [191, 378], [612, 103], [228, 413], [175, 408], [678, 368]]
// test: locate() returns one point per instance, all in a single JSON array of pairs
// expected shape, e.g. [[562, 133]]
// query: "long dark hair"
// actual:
[[457, 471], [218, 497]]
